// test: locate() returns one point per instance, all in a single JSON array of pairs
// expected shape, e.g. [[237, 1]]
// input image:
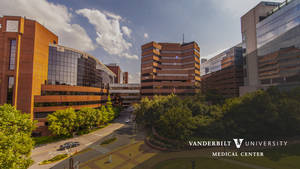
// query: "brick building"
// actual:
[[170, 68], [38, 76]]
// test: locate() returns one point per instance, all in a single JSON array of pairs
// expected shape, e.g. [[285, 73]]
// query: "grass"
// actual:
[[51, 139], [47, 139], [279, 158], [282, 158], [55, 159], [116, 161], [108, 141], [200, 163]]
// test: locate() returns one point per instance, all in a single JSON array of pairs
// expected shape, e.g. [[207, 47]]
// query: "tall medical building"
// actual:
[[249, 43], [170, 68], [117, 70], [125, 77], [277, 50], [39, 77], [24, 49], [223, 73]]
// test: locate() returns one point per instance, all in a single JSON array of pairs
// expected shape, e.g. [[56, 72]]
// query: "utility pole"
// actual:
[[193, 164], [183, 38], [71, 162]]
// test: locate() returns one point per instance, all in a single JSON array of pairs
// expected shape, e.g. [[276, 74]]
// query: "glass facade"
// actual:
[[12, 54], [70, 67], [232, 56], [10, 90], [278, 23], [278, 42]]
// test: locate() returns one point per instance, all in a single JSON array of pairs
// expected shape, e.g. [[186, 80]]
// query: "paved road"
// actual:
[[125, 136], [50, 150]]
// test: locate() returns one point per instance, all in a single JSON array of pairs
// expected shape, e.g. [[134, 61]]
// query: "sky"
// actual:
[[114, 30]]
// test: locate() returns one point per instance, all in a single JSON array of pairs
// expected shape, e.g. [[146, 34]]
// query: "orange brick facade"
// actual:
[[24, 57], [170, 68], [125, 78], [116, 69], [32, 40]]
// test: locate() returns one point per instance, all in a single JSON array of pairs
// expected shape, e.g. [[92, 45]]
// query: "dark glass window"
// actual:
[[10, 90], [12, 54], [67, 67]]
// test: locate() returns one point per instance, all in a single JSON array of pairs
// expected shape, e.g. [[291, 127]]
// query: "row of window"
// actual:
[[46, 93], [169, 87], [72, 68], [69, 103]]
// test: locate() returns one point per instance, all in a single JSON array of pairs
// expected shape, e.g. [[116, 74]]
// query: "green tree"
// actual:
[[15, 138], [104, 114], [62, 122], [90, 116], [99, 118], [109, 108], [177, 123], [80, 121]]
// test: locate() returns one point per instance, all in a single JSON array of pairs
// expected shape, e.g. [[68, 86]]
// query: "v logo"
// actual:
[[238, 142]]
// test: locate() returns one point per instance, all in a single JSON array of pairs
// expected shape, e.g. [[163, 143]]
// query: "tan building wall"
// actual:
[[248, 30]]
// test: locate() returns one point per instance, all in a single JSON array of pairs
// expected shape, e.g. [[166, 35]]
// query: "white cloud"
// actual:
[[55, 17], [129, 56], [112, 15], [146, 35], [126, 31], [109, 34], [134, 78]]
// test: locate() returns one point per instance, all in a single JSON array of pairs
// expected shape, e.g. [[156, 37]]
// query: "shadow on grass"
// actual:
[[282, 152]]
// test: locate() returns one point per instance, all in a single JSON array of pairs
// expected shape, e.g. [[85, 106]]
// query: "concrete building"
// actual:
[[276, 56], [170, 68], [249, 43], [125, 77], [223, 73], [38, 76], [125, 94]]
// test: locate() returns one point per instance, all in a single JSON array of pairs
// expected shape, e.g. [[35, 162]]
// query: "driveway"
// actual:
[[48, 151]]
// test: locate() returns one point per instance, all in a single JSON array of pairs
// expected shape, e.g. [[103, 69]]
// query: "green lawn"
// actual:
[[147, 158], [280, 158], [200, 163]]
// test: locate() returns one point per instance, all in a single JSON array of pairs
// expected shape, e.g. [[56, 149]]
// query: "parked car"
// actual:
[[69, 145]]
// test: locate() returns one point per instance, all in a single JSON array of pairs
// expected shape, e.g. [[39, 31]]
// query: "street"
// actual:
[[89, 141]]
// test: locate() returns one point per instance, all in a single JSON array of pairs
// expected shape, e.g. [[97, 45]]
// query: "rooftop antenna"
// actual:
[[183, 38]]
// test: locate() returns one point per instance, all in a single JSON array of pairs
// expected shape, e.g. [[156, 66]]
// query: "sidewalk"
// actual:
[[48, 151]]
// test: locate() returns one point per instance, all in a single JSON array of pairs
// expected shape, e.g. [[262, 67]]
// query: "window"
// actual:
[[12, 54], [10, 90]]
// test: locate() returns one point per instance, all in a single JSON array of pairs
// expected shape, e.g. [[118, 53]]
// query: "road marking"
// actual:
[[98, 135]]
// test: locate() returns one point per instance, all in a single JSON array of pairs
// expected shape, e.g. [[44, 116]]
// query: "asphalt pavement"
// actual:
[[90, 143]]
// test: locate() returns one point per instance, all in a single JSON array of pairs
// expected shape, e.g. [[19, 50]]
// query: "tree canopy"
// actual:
[[66, 122], [15, 138], [264, 113]]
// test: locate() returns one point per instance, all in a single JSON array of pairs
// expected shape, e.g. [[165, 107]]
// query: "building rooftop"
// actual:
[[278, 6]]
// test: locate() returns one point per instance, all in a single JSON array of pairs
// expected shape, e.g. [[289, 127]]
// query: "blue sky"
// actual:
[[114, 30]]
